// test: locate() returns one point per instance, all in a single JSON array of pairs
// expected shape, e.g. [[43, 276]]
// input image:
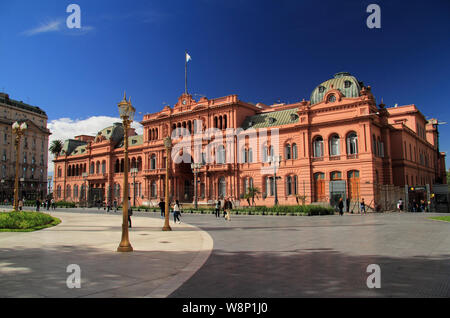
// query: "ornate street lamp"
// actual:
[[168, 146], [195, 168], [85, 176], [19, 130], [49, 182], [126, 111], [275, 160]]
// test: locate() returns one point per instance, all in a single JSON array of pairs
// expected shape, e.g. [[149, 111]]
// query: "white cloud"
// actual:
[[58, 25], [49, 26], [66, 128]]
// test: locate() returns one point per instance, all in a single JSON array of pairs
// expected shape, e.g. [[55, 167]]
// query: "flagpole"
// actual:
[[185, 72]]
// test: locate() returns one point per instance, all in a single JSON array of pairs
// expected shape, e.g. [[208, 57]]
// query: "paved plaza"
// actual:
[[251, 256]]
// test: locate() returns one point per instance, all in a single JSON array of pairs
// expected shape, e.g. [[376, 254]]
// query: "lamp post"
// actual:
[[85, 175], [3, 190], [49, 181], [126, 111], [19, 130], [274, 160], [168, 146], [134, 172], [195, 168]]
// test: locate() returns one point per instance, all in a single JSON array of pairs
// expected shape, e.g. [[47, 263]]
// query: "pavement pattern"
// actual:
[[249, 256], [34, 264]]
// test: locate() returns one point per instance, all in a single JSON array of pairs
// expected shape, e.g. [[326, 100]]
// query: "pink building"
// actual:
[[337, 144]]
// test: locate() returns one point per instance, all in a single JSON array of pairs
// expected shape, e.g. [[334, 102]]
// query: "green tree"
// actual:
[[252, 192], [56, 147]]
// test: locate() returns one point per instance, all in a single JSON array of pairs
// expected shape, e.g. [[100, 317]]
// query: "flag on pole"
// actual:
[[188, 57]]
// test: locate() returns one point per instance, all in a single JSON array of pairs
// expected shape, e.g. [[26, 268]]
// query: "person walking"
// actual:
[[162, 206], [347, 204], [53, 204], [115, 205], [20, 205], [176, 212], [49, 202], [130, 213], [217, 208], [227, 206], [400, 205], [38, 204], [363, 206], [341, 206]]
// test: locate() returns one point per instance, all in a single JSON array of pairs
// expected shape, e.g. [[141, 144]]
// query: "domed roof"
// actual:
[[343, 81]]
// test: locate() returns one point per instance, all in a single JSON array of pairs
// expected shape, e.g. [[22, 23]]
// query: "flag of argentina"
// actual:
[[188, 57]]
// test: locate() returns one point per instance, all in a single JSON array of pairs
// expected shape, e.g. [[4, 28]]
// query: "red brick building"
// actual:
[[339, 143]]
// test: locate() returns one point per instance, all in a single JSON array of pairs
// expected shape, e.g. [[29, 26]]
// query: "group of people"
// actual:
[[226, 206], [49, 203], [176, 208], [362, 206]]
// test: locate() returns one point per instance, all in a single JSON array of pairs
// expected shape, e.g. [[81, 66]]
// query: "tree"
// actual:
[[56, 147], [251, 194]]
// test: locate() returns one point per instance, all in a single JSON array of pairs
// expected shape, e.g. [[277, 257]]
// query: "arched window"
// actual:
[[270, 186], [352, 143], [139, 164], [287, 151], [117, 166], [59, 172], [245, 185], [225, 122], [92, 168], [58, 191], [318, 147], [220, 158], [334, 146], [295, 184], [222, 187], [294, 151], [153, 162], [97, 170], [288, 185], [265, 154], [335, 175], [68, 192], [103, 166], [75, 191], [153, 189], [122, 165], [117, 194], [250, 155], [215, 122]]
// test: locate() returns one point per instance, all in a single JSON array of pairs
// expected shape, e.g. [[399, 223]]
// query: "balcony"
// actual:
[[154, 172], [97, 176], [314, 159], [332, 158], [352, 156]]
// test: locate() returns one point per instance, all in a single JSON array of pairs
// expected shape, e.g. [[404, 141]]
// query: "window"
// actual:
[[288, 152], [352, 144], [288, 185], [68, 193], [347, 84], [270, 186], [336, 175], [153, 189], [318, 147], [58, 191], [75, 191], [153, 162], [294, 151], [295, 184], [321, 89], [334, 145], [331, 98], [220, 158]]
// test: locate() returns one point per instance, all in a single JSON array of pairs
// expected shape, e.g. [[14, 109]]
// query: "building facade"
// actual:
[[340, 143], [33, 153]]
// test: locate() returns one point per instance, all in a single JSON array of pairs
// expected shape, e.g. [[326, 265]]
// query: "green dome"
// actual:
[[343, 81]]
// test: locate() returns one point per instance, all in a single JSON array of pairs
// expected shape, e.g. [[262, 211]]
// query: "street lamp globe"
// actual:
[[15, 125], [23, 126], [126, 110]]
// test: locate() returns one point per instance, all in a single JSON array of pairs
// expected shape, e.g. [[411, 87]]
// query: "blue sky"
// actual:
[[263, 51]]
